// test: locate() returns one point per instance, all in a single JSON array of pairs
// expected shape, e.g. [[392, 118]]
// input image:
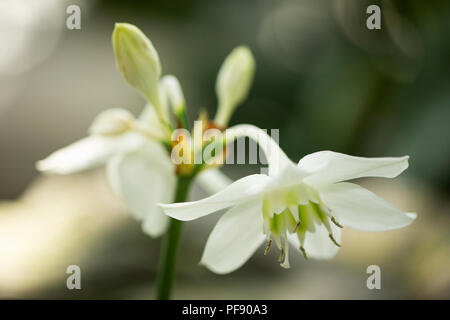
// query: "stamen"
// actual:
[[336, 223], [268, 247], [334, 240], [285, 263], [280, 258], [304, 252], [296, 227]]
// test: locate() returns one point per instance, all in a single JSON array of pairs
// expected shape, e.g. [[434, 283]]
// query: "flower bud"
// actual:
[[138, 61], [172, 89], [112, 122], [171, 93], [233, 82]]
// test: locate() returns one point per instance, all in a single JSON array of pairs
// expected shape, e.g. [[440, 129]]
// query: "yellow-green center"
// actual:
[[294, 210]]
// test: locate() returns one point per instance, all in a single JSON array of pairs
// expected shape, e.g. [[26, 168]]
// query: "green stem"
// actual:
[[170, 245]]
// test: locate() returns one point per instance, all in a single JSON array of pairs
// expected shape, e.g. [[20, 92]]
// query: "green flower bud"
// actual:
[[233, 82], [138, 61]]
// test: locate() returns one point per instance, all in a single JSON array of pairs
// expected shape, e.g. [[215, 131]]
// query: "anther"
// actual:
[[296, 227], [336, 223], [268, 247], [304, 252], [334, 240], [280, 258]]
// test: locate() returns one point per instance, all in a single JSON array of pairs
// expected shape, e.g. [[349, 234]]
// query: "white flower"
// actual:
[[139, 169], [305, 204], [135, 151]]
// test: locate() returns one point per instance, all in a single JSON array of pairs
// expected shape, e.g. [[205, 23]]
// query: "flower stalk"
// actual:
[[169, 251]]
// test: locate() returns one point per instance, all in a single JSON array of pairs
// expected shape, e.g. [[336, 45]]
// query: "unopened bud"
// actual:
[[138, 61], [233, 82], [172, 89]]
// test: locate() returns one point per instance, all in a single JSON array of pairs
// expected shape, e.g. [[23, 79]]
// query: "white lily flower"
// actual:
[[305, 204], [139, 169], [134, 163]]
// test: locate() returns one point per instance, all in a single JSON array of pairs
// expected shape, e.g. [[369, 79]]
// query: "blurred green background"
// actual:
[[323, 79]]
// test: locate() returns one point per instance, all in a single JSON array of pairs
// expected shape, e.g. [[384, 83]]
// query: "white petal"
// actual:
[[242, 190], [87, 153], [213, 180], [358, 208], [276, 158], [148, 119], [318, 244], [143, 178], [326, 167], [234, 239], [112, 122]]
